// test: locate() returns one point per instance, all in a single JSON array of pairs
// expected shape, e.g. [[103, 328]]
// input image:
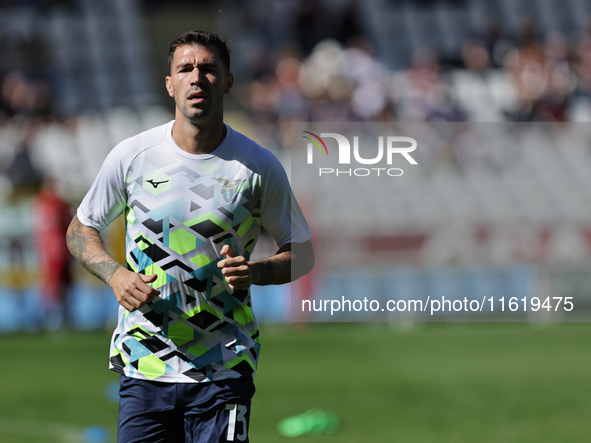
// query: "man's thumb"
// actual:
[[227, 250], [149, 278]]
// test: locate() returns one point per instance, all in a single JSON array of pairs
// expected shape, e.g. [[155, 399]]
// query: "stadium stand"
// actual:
[[513, 198]]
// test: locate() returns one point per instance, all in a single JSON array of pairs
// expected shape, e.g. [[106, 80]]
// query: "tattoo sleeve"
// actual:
[[275, 270], [266, 271], [292, 261], [87, 247]]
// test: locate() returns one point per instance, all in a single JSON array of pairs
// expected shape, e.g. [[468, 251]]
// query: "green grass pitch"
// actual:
[[493, 382]]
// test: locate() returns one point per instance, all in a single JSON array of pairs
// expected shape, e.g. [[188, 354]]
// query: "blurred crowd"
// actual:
[[329, 70], [323, 73], [341, 77], [530, 79]]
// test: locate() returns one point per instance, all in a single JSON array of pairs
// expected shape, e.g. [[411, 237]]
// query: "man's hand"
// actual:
[[238, 273], [131, 289]]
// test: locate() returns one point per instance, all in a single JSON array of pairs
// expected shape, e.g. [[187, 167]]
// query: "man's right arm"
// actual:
[[86, 245], [130, 288]]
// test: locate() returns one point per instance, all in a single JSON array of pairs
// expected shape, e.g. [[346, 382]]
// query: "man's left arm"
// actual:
[[292, 261]]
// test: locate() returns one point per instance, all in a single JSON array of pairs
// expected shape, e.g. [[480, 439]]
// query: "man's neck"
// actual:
[[198, 140]]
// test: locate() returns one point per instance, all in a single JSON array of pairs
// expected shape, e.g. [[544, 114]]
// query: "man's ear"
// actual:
[[169, 86], [229, 83]]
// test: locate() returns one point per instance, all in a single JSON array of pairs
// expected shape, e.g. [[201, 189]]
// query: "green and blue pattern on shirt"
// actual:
[[179, 214]]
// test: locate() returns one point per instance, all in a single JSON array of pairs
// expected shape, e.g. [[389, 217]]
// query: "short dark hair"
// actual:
[[203, 38]]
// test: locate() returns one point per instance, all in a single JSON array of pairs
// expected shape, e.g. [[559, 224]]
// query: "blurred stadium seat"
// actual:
[[478, 188]]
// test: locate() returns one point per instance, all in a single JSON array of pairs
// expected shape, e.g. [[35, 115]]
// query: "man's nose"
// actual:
[[196, 76]]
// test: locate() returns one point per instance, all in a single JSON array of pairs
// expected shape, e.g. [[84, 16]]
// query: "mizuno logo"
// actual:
[[155, 184]]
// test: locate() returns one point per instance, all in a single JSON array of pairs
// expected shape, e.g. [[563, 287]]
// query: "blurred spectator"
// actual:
[[51, 217], [561, 78], [21, 97], [580, 103], [23, 175], [530, 77], [370, 79], [325, 84], [470, 86], [423, 91]]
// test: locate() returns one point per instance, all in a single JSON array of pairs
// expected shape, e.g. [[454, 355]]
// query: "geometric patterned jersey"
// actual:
[[180, 210]]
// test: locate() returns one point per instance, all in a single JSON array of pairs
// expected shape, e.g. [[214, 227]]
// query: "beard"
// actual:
[[202, 114]]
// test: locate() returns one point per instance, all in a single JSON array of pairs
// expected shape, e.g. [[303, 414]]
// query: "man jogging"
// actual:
[[195, 194]]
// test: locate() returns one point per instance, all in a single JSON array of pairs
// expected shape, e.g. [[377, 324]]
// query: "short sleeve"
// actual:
[[281, 216], [106, 198]]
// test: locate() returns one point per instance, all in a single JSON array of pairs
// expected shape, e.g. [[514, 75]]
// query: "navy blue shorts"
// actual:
[[151, 412]]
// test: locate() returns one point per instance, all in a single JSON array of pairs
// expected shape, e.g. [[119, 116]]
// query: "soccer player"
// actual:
[[195, 194]]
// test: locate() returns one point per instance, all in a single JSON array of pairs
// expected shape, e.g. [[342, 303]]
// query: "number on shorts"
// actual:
[[237, 413]]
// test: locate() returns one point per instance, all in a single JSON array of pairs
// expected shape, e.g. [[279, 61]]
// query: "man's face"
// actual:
[[198, 82]]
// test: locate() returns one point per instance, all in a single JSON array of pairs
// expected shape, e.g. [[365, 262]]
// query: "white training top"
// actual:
[[180, 210]]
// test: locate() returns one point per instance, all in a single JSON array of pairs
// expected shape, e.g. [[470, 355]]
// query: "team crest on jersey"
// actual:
[[229, 188]]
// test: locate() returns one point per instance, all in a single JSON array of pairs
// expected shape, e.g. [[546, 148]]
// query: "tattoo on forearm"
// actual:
[[266, 272], [87, 247]]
